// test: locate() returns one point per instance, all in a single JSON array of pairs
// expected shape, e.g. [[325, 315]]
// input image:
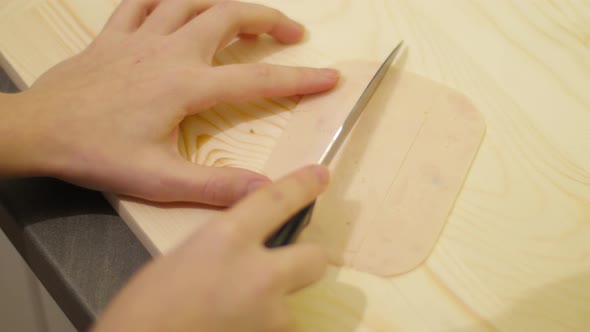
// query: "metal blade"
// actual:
[[358, 108]]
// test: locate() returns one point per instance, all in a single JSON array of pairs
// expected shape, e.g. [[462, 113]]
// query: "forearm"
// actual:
[[20, 154]]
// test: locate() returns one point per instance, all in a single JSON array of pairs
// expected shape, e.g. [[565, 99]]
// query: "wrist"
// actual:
[[22, 153]]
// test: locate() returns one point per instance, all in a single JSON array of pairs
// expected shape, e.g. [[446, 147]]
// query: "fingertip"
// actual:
[[321, 174], [300, 30], [247, 182], [227, 186], [321, 80], [330, 73], [329, 78], [289, 33]]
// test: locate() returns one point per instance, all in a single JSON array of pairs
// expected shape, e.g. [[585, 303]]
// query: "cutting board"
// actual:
[[393, 184], [514, 253]]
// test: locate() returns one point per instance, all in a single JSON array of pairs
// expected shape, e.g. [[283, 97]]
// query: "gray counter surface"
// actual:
[[72, 239]]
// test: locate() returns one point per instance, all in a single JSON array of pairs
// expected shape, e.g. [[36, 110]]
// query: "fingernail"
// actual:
[[329, 73], [301, 31], [323, 175], [255, 185]]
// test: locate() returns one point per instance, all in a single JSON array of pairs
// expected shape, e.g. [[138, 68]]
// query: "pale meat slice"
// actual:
[[396, 178]]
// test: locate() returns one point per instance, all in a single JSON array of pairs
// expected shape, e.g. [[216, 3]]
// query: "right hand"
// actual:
[[223, 278]]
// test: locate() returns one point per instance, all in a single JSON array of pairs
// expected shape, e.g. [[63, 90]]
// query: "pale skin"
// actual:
[[153, 61]]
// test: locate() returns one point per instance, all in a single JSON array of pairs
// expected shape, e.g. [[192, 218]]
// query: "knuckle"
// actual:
[[262, 71], [216, 190], [229, 7]]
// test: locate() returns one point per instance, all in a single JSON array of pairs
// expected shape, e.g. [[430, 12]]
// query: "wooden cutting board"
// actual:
[[514, 253], [393, 184]]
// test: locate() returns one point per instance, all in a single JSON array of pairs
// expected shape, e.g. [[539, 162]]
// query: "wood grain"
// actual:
[[515, 254]]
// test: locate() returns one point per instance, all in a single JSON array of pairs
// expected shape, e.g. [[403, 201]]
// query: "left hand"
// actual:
[[108, 118]]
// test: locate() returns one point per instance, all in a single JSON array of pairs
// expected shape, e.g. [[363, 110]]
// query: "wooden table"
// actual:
[[515, 254]]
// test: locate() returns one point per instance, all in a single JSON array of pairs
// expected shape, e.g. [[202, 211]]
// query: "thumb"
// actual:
[[183, 181]]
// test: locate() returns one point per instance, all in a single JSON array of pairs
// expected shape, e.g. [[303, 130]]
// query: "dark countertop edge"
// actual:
[[83, 279], [48, 274]]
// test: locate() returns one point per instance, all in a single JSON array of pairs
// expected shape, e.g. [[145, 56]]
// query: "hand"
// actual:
[[108, 118], [223, 279]]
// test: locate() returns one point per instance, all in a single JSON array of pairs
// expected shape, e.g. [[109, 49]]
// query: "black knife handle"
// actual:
[[291, 229]]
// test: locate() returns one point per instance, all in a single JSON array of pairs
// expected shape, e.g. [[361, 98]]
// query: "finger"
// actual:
[[177, 180], [130, 14], [243, 82], [299, 265], [263, 212], [221, 23], [172, 14]]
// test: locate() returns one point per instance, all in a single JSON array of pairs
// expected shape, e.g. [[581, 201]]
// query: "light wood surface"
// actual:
[[514, 255]]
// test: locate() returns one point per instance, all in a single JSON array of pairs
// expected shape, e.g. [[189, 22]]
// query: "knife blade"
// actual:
[[288, 232]]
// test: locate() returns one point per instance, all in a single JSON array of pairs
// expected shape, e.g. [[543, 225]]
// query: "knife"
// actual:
[[291, 229]]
